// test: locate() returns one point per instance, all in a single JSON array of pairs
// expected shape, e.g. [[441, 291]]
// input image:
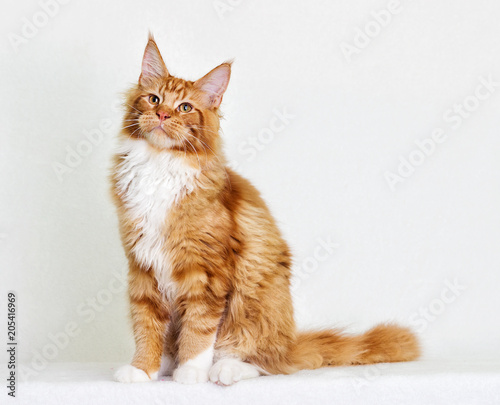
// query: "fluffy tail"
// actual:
[[310, 350], [381, 344]]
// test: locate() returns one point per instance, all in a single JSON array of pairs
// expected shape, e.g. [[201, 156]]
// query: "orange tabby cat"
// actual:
[[209, 270]]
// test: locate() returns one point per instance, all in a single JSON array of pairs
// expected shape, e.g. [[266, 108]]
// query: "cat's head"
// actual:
[[172, 113]]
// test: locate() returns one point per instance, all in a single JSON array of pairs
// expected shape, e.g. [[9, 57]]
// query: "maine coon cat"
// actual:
[[209, 272]]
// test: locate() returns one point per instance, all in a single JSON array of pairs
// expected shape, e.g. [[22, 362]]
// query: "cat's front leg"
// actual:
[[200, 317], [149, 317], [148, 333]]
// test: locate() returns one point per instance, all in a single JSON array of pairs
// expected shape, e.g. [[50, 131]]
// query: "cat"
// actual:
[[209, 272]]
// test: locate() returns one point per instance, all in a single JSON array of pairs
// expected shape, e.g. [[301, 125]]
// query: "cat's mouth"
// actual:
[[161, 134], [159, 130], [161, 137]]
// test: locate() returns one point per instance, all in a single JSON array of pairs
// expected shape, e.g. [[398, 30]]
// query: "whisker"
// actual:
[[131, 125], [140, 112], [133, 133], [194, 149], [204, 149], [217, 157]]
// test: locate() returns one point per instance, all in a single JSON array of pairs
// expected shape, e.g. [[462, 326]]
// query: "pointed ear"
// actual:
[[153, 66], [214, 84]]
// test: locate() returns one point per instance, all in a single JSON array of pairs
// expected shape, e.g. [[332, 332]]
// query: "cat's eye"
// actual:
[[185, 107], [154, 99]]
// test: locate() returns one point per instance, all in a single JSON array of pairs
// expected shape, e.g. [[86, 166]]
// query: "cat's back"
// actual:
[[250, 211]]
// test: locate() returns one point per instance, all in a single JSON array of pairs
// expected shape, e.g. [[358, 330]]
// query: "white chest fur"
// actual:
[[150, 183]]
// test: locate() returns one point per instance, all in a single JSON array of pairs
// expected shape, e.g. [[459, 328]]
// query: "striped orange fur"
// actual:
[[209, 280]]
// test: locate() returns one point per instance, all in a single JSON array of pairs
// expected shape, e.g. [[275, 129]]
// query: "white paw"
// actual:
[[189, 374], [229, 371], [131, 374]]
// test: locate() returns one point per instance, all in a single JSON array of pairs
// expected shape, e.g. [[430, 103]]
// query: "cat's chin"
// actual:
[[159, 139]]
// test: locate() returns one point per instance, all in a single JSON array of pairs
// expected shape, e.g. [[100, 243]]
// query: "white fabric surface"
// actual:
[[423, 382]]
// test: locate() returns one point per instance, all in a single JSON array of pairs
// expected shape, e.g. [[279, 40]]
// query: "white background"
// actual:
[[323, 175]]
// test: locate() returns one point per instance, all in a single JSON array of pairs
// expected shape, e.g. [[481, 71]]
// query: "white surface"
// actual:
[[418, 383], [322, 173]]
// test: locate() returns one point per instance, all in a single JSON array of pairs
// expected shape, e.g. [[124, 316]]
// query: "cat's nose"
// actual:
[[162, 115]]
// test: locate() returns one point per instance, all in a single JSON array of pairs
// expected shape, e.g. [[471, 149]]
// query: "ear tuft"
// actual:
[[153, 66], [215, 83]]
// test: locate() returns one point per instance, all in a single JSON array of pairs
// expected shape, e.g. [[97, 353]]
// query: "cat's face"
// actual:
[[172, 113]]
